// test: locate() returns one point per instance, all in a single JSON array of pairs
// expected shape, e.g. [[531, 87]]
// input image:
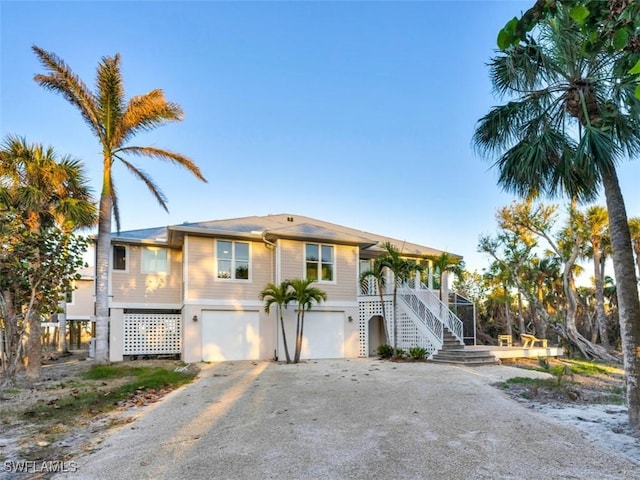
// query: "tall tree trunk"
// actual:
[[387, 336], [601, 316], [395, 320], [507, 317], [296, 354], [34, 346], [103, 261], [284, 336], [14, 334], [520, 313], [62, 328], [627, 291], [587, 349], [299, 337]]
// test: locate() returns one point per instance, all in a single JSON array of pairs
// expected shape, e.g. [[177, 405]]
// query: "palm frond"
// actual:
[[110, 96], [63, 81], [147, 112], [166, 155], [144, 177]]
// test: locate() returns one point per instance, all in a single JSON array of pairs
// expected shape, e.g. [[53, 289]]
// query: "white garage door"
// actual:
[[230, 335], [323, 335]]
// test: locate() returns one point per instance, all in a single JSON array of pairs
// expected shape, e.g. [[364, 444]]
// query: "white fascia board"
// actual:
[[147, 306]]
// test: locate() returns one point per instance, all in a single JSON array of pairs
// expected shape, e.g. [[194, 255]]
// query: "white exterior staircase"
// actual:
[[424, 321]]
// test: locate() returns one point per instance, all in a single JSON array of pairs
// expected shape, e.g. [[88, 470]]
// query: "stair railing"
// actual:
[[441, 311], [428, 323]]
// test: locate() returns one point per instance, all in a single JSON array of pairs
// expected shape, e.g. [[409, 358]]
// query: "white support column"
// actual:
[[116, 335], [444, 289]]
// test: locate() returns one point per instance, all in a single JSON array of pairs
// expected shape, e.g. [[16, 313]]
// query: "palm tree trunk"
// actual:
[[507, 317], [627, 291], [300, 337], [296, 354], [395, 320], [103, 257], [387, 337], [587, 349], [284, 337], [601, 316]]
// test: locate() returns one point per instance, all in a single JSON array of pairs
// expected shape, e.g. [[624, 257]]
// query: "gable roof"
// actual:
[[272, 227]]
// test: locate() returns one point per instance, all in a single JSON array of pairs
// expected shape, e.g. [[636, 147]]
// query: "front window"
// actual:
[[119, 257], [319, 262], [155, 260], [232, 260]]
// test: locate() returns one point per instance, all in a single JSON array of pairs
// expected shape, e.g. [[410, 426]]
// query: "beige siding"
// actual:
[[82, 305], [346, 269], [132, 286], [203, 283]]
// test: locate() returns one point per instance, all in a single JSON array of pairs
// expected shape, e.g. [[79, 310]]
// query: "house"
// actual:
[[193, 290]]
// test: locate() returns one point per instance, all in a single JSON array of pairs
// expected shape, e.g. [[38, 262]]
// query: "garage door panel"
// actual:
[[230, 335], [323, 335]]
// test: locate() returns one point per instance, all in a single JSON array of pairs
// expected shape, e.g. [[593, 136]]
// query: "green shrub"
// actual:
[[400, 353], [385, 351], [418, 353]]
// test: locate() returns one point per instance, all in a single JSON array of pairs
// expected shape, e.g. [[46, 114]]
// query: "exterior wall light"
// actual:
[[195, 318], [350, 318]]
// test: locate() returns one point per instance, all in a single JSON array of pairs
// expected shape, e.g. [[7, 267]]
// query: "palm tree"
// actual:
[[572, 115], [445, 264], [596, 222], [47, 192], [379, 275], [305, 295], [115, 122], [401, 269], [279, 295]]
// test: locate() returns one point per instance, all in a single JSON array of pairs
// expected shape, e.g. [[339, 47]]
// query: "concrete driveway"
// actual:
[[348, 419]]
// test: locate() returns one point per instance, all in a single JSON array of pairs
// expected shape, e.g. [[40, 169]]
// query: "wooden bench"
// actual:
[[529, 341], [505, 340]]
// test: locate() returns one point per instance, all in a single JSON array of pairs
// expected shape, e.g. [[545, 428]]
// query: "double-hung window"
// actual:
[[232, 260], [319, 262], [155, 260], [119, 257]]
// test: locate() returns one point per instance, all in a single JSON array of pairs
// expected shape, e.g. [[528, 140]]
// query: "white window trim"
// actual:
[[335, 256], [127, 258], [145, 272], [233, 262]]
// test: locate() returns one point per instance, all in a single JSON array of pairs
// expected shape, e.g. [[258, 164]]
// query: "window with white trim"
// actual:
[[119, 258], [232, 260], [319, 262], [155, 260]]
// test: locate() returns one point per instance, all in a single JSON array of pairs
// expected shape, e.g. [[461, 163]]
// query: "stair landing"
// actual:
[[454, 352]]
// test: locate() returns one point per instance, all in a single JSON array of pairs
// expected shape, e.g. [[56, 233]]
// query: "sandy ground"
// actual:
[[361, 419]]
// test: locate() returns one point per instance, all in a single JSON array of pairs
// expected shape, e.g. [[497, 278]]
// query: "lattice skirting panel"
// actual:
[[408, 334], [369, 309], [152, 333]]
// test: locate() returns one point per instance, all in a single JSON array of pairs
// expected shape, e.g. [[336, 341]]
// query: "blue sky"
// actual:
[[359, 113]]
